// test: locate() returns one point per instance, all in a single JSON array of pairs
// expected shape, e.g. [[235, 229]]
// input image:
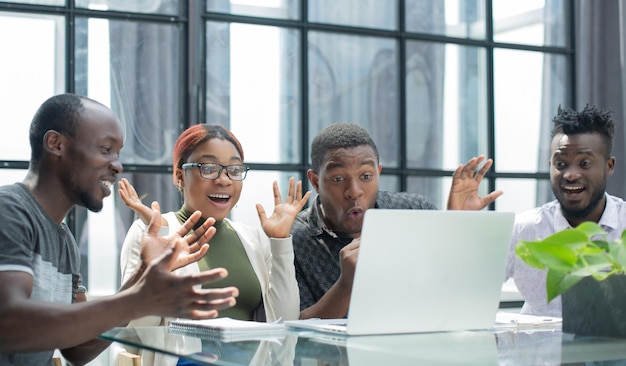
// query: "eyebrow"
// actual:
[[336, 165], [588, 152], [211, 156]]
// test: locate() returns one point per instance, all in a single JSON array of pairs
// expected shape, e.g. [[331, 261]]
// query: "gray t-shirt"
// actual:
[[31, 242]]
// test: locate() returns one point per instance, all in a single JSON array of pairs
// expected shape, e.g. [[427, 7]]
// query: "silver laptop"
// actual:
[[425, 271]]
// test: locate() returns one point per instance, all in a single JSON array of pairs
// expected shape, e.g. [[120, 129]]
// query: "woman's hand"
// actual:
[[278, 225]]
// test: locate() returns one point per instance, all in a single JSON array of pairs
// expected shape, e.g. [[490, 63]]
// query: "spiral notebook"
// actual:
[[227, 329], [425, 271]]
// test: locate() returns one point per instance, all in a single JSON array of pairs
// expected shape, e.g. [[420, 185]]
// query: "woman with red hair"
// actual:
[[208, 171]]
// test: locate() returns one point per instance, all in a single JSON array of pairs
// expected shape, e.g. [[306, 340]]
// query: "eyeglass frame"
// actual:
[[219, 172]]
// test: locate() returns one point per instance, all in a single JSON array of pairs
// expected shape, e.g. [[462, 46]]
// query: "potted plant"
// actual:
[[581, 267]]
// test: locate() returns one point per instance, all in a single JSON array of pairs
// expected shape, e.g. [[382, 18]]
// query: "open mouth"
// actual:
[[219, 198], [107, 186], [355, 213], [573, 189]]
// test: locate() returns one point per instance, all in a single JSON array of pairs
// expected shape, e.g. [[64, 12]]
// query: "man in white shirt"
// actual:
[[580, 163]]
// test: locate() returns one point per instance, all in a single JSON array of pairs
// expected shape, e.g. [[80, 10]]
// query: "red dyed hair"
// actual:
[[198, 134]]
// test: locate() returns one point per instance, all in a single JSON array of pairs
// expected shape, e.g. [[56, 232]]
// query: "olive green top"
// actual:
[[227, 251]]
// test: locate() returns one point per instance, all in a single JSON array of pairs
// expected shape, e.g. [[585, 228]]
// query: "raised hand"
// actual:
[[189, 245], [167, 294], [133, 201], [278, 225], [465, 182]]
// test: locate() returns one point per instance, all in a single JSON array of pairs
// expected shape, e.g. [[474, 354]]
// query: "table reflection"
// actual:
[[498, 347]]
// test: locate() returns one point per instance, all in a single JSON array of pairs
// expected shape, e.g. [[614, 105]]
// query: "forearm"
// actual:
[[334, 304], [283, 293], [34, 326], [84, 353]]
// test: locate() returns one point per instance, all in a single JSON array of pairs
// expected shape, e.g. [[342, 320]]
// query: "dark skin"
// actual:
[[80, 171], [579, 168], [347, 184]]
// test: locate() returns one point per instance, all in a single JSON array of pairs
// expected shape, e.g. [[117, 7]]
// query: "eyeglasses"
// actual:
[[214, 170]]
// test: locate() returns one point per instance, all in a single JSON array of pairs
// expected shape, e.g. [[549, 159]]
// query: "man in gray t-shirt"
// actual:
[[76, 143]]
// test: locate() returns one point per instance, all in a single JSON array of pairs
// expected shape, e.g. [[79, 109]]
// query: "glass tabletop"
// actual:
[[489, 347]]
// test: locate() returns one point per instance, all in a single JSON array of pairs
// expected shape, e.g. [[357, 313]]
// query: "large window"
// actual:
[[436, 82]]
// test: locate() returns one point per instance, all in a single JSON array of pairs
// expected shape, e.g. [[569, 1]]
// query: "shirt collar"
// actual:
[[608, 219]]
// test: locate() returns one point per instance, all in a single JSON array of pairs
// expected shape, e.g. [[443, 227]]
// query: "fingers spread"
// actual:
[[155, 220], [277, 198], [189, 224]]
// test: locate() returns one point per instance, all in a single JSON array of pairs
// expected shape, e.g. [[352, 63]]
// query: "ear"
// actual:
[[313, 178], [54, 143], [380, 168], [179, 182], [610, 166]]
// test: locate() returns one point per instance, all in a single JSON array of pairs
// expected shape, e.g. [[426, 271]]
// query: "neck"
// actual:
[[49, 194]]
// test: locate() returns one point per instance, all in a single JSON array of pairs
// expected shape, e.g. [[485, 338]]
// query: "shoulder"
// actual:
[[16, 193], [309, 221], [403, 200], [17, 202], [618, 203], [540, 221]]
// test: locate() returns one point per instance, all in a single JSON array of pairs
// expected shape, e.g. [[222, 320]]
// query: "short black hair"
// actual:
[[590, 120], [336, 136], [59, 113]]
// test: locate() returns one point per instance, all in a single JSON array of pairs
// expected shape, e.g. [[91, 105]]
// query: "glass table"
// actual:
[[509, 346]]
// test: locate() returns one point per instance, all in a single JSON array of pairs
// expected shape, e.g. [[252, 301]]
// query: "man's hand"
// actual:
[[347, 261], [279, 224], [167, 294], [189, 245], [465, 181]]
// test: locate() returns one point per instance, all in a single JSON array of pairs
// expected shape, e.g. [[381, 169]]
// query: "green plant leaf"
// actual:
[[570, 255], [617, 251], [571, 238], [523, 253], [559, 282], [591, 229], [555, 256]]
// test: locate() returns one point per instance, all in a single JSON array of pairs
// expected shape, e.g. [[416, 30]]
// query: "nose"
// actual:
[[353, 191], [223, 177], [571, 174], [117, 167]]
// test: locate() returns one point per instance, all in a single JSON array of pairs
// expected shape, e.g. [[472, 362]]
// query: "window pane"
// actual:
[[253, 78], [36, 2], [135, 69], [283, 9], [29, 75], [445, 104], [10, 176], [380, 14], [528, 87], [453, 18], [533, 22], [355, 79], [435, 189], [522, 194], [169, 7], [389, 183], [257, 188]]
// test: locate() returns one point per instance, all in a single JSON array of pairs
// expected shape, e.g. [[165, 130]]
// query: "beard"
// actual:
[[85, 199], [579, 214], [89, 202]]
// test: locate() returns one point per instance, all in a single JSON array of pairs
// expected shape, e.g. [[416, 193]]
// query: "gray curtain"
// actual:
[[600, 71]]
